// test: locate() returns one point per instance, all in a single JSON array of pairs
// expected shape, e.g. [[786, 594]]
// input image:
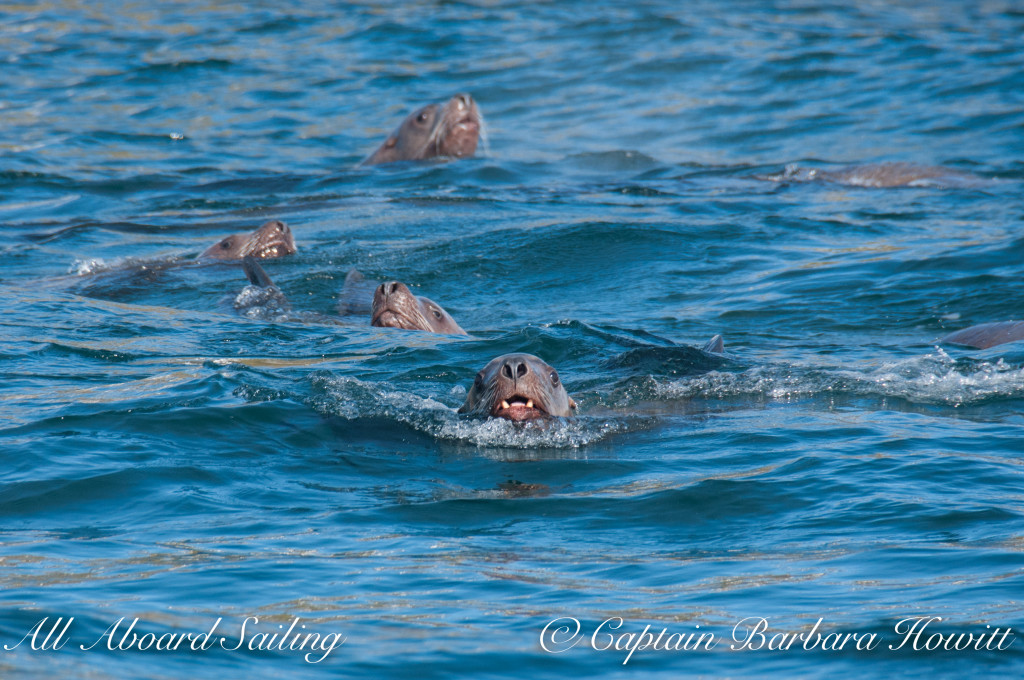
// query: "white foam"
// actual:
[[351, 398], [265, 304], [933, 379]]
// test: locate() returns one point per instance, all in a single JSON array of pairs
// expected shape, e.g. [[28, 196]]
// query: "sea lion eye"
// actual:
[[226, 244], [554, 378], [422, 118], [478, 382], [437, 314]]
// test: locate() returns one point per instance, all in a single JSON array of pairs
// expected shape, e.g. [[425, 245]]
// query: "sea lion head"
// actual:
[[518, 387], [395, 306], [451, 130], [273, 239]]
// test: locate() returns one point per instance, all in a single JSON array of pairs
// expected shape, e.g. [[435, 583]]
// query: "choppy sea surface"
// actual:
[[167, 458]]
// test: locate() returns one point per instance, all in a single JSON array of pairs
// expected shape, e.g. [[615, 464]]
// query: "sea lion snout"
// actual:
[[389, 289], [515, 368]]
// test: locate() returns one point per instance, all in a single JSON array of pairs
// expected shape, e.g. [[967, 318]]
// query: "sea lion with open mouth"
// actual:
[[273, 239], [394, 306], [518, 387], [987, 335], [450, 130]]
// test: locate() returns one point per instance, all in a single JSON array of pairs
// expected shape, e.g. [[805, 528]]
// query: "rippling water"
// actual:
[[169, 458]]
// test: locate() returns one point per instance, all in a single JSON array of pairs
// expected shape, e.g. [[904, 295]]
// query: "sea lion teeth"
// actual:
[[505, 404], [529, 403]]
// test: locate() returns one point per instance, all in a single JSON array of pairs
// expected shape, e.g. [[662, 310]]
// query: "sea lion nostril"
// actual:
[[506, 371], [392, 287], [521, 369]]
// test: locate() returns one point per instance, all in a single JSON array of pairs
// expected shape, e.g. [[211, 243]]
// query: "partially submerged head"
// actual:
[[273, 239], [450, 130], [518, 387], [395, 306]]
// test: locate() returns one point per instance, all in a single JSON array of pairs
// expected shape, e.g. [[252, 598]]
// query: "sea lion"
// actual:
[[882, 175], [451, 130], [273, 239], [987, 335], [518, 387], [395, 306]]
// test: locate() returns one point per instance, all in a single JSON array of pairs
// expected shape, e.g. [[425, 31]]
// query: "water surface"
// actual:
[[170, 459]]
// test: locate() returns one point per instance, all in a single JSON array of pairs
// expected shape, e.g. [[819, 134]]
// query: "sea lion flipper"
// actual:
[[356, 294], [257, 276], [715, 345]]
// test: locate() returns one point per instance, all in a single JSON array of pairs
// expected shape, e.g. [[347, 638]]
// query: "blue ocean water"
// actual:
[[166, 458]]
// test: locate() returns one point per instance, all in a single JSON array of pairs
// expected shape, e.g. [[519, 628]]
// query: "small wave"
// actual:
[[352, 399], [932, 379], [613, 161], [99, 265], [265, 304]]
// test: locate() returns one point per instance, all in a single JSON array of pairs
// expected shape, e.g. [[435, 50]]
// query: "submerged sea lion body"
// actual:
[[450, 130], [518, 387], [394, 306], [882, 175], [273, 239], [987, 335]]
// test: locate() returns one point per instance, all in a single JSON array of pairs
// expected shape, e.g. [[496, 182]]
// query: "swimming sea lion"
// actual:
[[273, 239], [882, 175], [518, 387], [395, 306], [987, 335], [450, 130]]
